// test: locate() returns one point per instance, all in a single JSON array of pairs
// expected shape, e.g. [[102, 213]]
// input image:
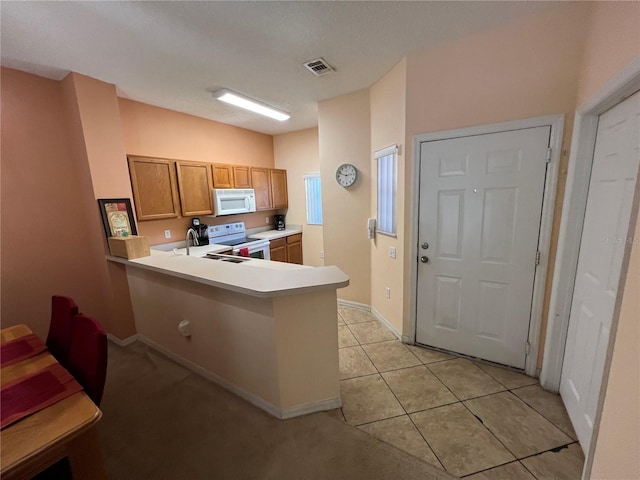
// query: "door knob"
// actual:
[[425, 245], [424, 259]]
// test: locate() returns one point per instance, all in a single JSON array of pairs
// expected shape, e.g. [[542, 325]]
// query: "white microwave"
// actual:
[[230, 201]]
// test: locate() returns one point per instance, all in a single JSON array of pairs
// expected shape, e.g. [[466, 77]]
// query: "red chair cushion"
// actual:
[[87, 360], [63, 309]]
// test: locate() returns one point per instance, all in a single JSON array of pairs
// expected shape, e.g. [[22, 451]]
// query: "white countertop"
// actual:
[[255, 277], [273, 234]]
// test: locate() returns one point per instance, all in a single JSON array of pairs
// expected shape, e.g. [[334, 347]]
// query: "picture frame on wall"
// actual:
[[117, 217]]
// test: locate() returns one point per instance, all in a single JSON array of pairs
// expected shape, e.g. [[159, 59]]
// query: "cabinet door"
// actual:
[[222, 176], [279, 198], [261, 181], [194, 185], [294, 248], [278, 250], [241, 176], [153, 181]]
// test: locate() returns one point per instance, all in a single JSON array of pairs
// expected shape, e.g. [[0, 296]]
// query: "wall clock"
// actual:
[[346, 175]]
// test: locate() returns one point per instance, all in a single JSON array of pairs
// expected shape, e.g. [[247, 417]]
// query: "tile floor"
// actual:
[[472, 419]]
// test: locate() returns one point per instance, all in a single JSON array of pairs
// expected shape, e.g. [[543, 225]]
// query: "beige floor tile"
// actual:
[[510, 471], [370, 332], [520, 428], [354, 315], [507, 377], [354, 363], [340, 320], [565, 464], [402, 433], [418, 389], [390, 355], [427, 355], [464, 378], [459, 440], [368, 399], [345, 337], [549, 405]]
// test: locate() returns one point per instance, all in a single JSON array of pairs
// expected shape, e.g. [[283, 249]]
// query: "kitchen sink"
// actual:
[[226, 258]]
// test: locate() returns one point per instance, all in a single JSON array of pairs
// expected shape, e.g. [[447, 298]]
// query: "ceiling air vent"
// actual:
[[319, 67]]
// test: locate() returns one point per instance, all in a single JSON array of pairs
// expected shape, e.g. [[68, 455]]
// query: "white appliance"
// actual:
[[229, 201], [235, 235]]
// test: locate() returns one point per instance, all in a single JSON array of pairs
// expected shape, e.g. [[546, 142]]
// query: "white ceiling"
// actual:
[[174, 54]]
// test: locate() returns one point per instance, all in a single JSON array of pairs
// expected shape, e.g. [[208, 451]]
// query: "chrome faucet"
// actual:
[[191, 232]]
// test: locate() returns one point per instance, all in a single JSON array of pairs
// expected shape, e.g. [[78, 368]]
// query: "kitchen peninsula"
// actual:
[[265, 330]]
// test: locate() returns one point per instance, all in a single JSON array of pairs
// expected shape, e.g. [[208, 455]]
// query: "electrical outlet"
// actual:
[[388, 292], [321, 254], [267, 220], [392, 252], [167, 234]]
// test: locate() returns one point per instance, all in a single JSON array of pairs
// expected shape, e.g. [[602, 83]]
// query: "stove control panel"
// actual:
[[215, 231]]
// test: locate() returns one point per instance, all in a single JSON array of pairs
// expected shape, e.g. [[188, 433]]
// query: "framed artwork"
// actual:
[[117, 217]]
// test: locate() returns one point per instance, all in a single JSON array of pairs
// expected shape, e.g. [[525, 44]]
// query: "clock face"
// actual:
[[346, 175]]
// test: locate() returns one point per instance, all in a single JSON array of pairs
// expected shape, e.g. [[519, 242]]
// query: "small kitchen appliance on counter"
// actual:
[[278, 222], [202, 231]]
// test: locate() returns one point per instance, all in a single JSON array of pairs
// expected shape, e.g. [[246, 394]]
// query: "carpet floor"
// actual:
[[161, 421]]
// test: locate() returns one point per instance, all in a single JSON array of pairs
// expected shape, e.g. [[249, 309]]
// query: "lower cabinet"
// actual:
[[278, 250], [294, 248], [287, 249]]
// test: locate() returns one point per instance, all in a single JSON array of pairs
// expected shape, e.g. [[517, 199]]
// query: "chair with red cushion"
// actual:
[[63, 309], [87, 360]]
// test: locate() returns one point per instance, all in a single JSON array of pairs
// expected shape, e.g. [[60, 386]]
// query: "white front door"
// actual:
[[479, 221], [606, 223]]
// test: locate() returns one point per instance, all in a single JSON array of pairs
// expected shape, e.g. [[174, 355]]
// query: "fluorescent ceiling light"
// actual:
[[241, 101]]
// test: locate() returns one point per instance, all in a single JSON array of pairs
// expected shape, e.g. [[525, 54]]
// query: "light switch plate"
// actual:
[[392, 252]]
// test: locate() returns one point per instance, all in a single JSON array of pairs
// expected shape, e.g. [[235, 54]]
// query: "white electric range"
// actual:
[[235, 235]]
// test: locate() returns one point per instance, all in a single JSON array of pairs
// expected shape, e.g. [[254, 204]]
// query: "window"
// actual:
[[387, 190], [314, 198]]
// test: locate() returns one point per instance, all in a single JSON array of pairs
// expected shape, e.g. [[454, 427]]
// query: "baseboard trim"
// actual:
[[311, 408], [386, 322], [359, 306], [122, 342], [241, 392], [377, 314]]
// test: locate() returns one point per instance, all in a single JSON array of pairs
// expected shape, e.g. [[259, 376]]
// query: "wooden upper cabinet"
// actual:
[[279, 197], [153, 181], [261, 181], [241, 176], [194, 185], [222, 176]]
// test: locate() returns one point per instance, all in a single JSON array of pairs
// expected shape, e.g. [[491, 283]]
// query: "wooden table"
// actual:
[[66, 428]]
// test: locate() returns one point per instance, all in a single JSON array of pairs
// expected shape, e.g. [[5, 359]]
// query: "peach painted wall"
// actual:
[[612, 43], [92, 109], [157, 132], [527, 68], [49, 214], [297, 153], [344, 137], [388, 112]]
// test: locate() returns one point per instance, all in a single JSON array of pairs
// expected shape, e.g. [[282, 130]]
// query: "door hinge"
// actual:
[[527, 348], [549, 155], [538, 257]]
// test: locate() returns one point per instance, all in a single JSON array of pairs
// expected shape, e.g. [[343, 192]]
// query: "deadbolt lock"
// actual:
[[425, 245], [424, 259]]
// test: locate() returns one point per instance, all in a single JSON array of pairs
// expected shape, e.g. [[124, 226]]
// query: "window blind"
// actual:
[[314, 198], [387, 190]]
